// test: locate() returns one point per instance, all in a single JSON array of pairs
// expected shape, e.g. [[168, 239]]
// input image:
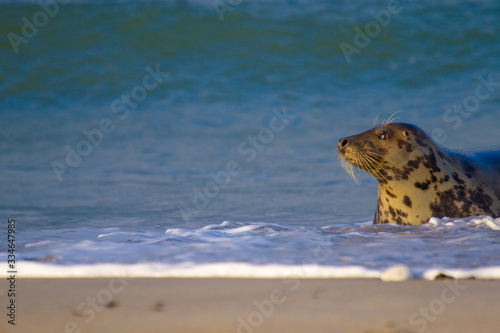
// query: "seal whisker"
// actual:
[[375, 120], [380, 156], [394, 171], [356, 161], [373, 151], [371, 168], [348, 168], [369, 165], [375, 168], [375, 162], [391, 119], [378, 165], [365, 166], [377, 158]]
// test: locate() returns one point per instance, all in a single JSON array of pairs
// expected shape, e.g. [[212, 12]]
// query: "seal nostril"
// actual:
[[344, 143]]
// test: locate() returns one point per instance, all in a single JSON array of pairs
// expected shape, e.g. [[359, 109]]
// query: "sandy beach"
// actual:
[[253, 305]]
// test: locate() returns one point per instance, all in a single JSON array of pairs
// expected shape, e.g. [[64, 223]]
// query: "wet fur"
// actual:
[[419, 179]]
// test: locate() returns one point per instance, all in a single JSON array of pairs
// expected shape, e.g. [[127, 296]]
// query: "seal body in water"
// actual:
[[418, 179]]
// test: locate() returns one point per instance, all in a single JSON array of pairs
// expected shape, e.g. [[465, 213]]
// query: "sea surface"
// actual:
[[198, 138]]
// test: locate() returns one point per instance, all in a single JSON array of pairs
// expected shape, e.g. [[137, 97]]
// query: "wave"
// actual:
[[459, 248], [242, 270]]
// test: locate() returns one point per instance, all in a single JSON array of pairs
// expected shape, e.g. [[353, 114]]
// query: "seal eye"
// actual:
[[383, 136]]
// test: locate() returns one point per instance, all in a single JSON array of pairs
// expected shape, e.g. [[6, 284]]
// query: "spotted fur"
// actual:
[[419, 179]]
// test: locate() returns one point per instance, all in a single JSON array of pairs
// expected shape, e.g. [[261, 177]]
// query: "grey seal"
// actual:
[[419, 179]]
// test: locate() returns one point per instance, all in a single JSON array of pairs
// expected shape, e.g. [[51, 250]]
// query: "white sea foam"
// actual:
[[396, 273], [459, 248], [242, 270], [189, 270], [38, 244]]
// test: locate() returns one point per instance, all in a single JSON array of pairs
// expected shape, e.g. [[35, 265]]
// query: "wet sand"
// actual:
[[253, 305]]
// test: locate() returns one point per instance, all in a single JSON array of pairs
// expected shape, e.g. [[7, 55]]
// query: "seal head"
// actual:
[[418, 179]]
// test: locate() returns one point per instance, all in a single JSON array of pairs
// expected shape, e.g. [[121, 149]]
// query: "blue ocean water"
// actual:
[[145, 116]]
